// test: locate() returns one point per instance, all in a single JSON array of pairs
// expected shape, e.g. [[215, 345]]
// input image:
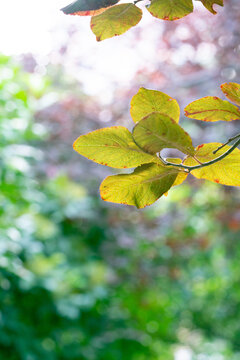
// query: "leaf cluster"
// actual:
[[110, 19], [156, 117]]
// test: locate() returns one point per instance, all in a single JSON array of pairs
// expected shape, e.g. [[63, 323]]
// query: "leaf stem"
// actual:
[[227, 142], [190, 168]]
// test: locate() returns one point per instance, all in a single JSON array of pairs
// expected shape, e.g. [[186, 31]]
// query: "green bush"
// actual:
[[85, 281]]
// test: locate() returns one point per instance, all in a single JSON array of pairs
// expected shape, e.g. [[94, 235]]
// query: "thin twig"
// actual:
[[190, 168], [197, 160], [227, 142]]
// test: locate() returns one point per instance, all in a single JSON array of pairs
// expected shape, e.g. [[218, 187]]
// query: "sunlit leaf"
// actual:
[[146, 102], [115, 21], [209, 4], [226, 171], [211, 108], [88, 7], [113, 147], [141, 188], [157, 131], [232, 92], [170, 9]]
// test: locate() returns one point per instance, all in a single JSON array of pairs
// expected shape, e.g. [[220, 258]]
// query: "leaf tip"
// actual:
[[74, 145]]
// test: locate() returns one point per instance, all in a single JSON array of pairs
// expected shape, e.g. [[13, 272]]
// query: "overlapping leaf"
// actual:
[[170, 9], [182, 175], [211, 108], [232, 92], [209, 4], [141, 188], [147, 101], [109, 20], [88, 7], [157, 131], [115, 21], [226, 171], [118, 148], [113, 147]]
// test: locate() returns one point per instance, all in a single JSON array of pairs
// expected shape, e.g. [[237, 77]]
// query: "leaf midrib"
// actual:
[[213, 110], [119, 147], [180, 147]]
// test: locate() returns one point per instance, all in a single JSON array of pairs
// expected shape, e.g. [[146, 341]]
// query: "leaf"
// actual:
[[211, 108], [226, 171], [113, 146], [182, 175], [115, 21], [88, 7], [232, 92], [146, 102], [157, 131], [141, 188], [209, 4], [170, 9]]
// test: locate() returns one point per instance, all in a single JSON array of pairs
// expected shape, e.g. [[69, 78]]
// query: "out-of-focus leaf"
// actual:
[[209, 4], [146, 102], [141, 188], [115, 21], [157, 131], [226, 171], [170, 9], [211, 108], [88, 7], [113, 147], [232, 92]]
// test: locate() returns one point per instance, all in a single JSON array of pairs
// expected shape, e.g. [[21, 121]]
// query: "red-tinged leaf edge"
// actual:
[[228, 90], [190, 114], [93, 10], [88, 13]]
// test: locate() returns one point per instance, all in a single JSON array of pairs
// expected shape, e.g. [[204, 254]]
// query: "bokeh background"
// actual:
[[81, 279]]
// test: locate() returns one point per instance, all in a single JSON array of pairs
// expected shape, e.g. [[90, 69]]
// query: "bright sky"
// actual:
[[38, 27]]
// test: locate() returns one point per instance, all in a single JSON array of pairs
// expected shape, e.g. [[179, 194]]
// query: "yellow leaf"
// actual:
[[232, 92], [157, 131], [225, 171], [141, 188], [113, 146], [211, 108], [170, 9], [145, 102], [115, 21]]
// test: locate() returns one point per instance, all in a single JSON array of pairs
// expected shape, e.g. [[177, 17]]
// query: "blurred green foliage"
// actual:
[[83, 280]]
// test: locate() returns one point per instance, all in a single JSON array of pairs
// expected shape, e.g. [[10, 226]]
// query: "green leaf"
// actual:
[[211, 108], [146, 102], [157, 131], [113, 147], [209, 4], [232, 92], [88, 7], [170, 9], [141, 188], [226, 171], [115, 21]]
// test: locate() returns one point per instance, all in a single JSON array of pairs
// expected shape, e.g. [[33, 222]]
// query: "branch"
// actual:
[[190, 168], [227, 142]]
